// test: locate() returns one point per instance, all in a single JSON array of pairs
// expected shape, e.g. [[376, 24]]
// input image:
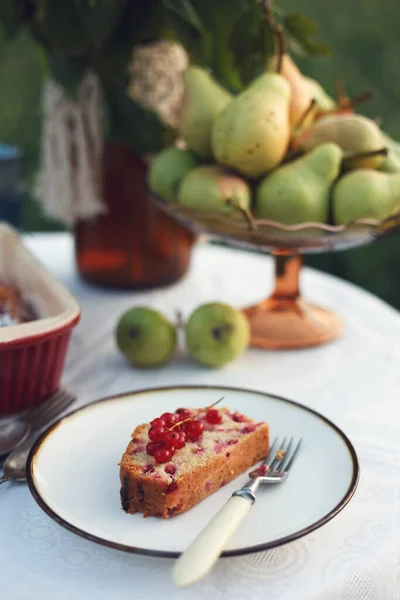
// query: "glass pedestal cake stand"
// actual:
[[285, 319]]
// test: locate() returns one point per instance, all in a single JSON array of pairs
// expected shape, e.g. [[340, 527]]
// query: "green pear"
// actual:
[[391, 162], [168, 170], [355, 134], [210, 189], [300, 95], [146, 337], [252, 133], [391, 143], [204, 99], [299, 191], [365, 194], [323, 100], [216, 334]]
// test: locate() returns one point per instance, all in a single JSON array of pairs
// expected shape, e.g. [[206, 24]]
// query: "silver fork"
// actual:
[[14, 467], [15, 431], [200, 556]]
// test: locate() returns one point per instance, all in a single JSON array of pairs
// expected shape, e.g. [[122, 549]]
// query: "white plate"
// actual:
[[73, 473]]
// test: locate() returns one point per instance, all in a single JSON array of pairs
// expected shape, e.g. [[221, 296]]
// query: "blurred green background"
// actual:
[[364, 37]]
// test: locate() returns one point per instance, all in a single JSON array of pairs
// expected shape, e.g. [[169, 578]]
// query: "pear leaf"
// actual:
[[141, 22], [190, 37], [11, 15], [68, 72], [74, 26], [99, 18], [204, 28], [186, 10], [251, 43], [59, 23], [132, 125], [301, 30]]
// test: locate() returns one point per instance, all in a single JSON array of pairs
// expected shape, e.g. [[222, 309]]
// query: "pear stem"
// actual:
[[277, 32], [245, 213], [305, 114], [341, 93], [345, 102], [360, 98], [249, 219], [179, 323], [347, 160]]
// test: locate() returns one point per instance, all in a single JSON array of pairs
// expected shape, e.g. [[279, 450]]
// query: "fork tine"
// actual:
[[286, 453], [56, 404], [287, 464], [36, 411], [277, 458], [48, 405], [268, 460]]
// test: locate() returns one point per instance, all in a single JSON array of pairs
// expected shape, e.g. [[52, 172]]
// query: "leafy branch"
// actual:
[[235, 39]]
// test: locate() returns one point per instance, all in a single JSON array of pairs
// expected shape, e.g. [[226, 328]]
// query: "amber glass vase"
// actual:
[[134, 244]]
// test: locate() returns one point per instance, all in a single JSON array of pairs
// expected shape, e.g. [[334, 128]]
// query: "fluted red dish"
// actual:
[[32, 354]]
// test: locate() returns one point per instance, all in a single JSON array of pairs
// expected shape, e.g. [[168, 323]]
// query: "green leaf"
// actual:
[[185, 27], [219, 19], [99, 19], [74, 27], [142, 21], [300, 30], [186, 10], [11, 15], [60, 25], [251, 43], [132, 125], [204, 28], [68, 72]]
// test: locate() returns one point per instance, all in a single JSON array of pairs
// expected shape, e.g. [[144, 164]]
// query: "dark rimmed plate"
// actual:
[[73, 473]]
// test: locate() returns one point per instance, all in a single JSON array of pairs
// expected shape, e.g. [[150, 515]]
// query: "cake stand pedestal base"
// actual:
[[285, 320]]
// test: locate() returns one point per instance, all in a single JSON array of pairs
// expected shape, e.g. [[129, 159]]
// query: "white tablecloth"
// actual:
[[355, 381]]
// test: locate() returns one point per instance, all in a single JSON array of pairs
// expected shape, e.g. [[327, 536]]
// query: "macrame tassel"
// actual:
[[69, 184], [156, 81]]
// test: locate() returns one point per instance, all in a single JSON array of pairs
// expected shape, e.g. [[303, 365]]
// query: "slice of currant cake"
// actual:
[[180, 458]]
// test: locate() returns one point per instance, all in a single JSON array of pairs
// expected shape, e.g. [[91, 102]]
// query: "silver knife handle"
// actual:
[[200, 556]]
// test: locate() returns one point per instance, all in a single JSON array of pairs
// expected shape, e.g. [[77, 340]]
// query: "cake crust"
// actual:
[[223, 452]]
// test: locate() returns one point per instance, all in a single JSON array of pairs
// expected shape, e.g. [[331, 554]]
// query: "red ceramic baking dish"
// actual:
[[32, 354]]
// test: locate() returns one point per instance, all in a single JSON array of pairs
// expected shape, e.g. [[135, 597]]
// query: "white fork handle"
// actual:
[[200, 556]]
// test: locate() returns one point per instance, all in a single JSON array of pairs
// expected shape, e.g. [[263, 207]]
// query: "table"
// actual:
[[354, 381]]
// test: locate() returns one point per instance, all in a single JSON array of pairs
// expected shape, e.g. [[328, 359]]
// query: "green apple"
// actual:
[[216, 334], [146, 337]]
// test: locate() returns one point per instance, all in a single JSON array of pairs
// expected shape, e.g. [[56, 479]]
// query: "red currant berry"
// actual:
[[213, 416], [172, 487], [183, 413], [156, 434], [182, 427], [148, 469], [159, 422], [194, 429], [169, 419], [169, 439], [151, 448], [162, 455], [238, 417], [180, 441], [170, 469]]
